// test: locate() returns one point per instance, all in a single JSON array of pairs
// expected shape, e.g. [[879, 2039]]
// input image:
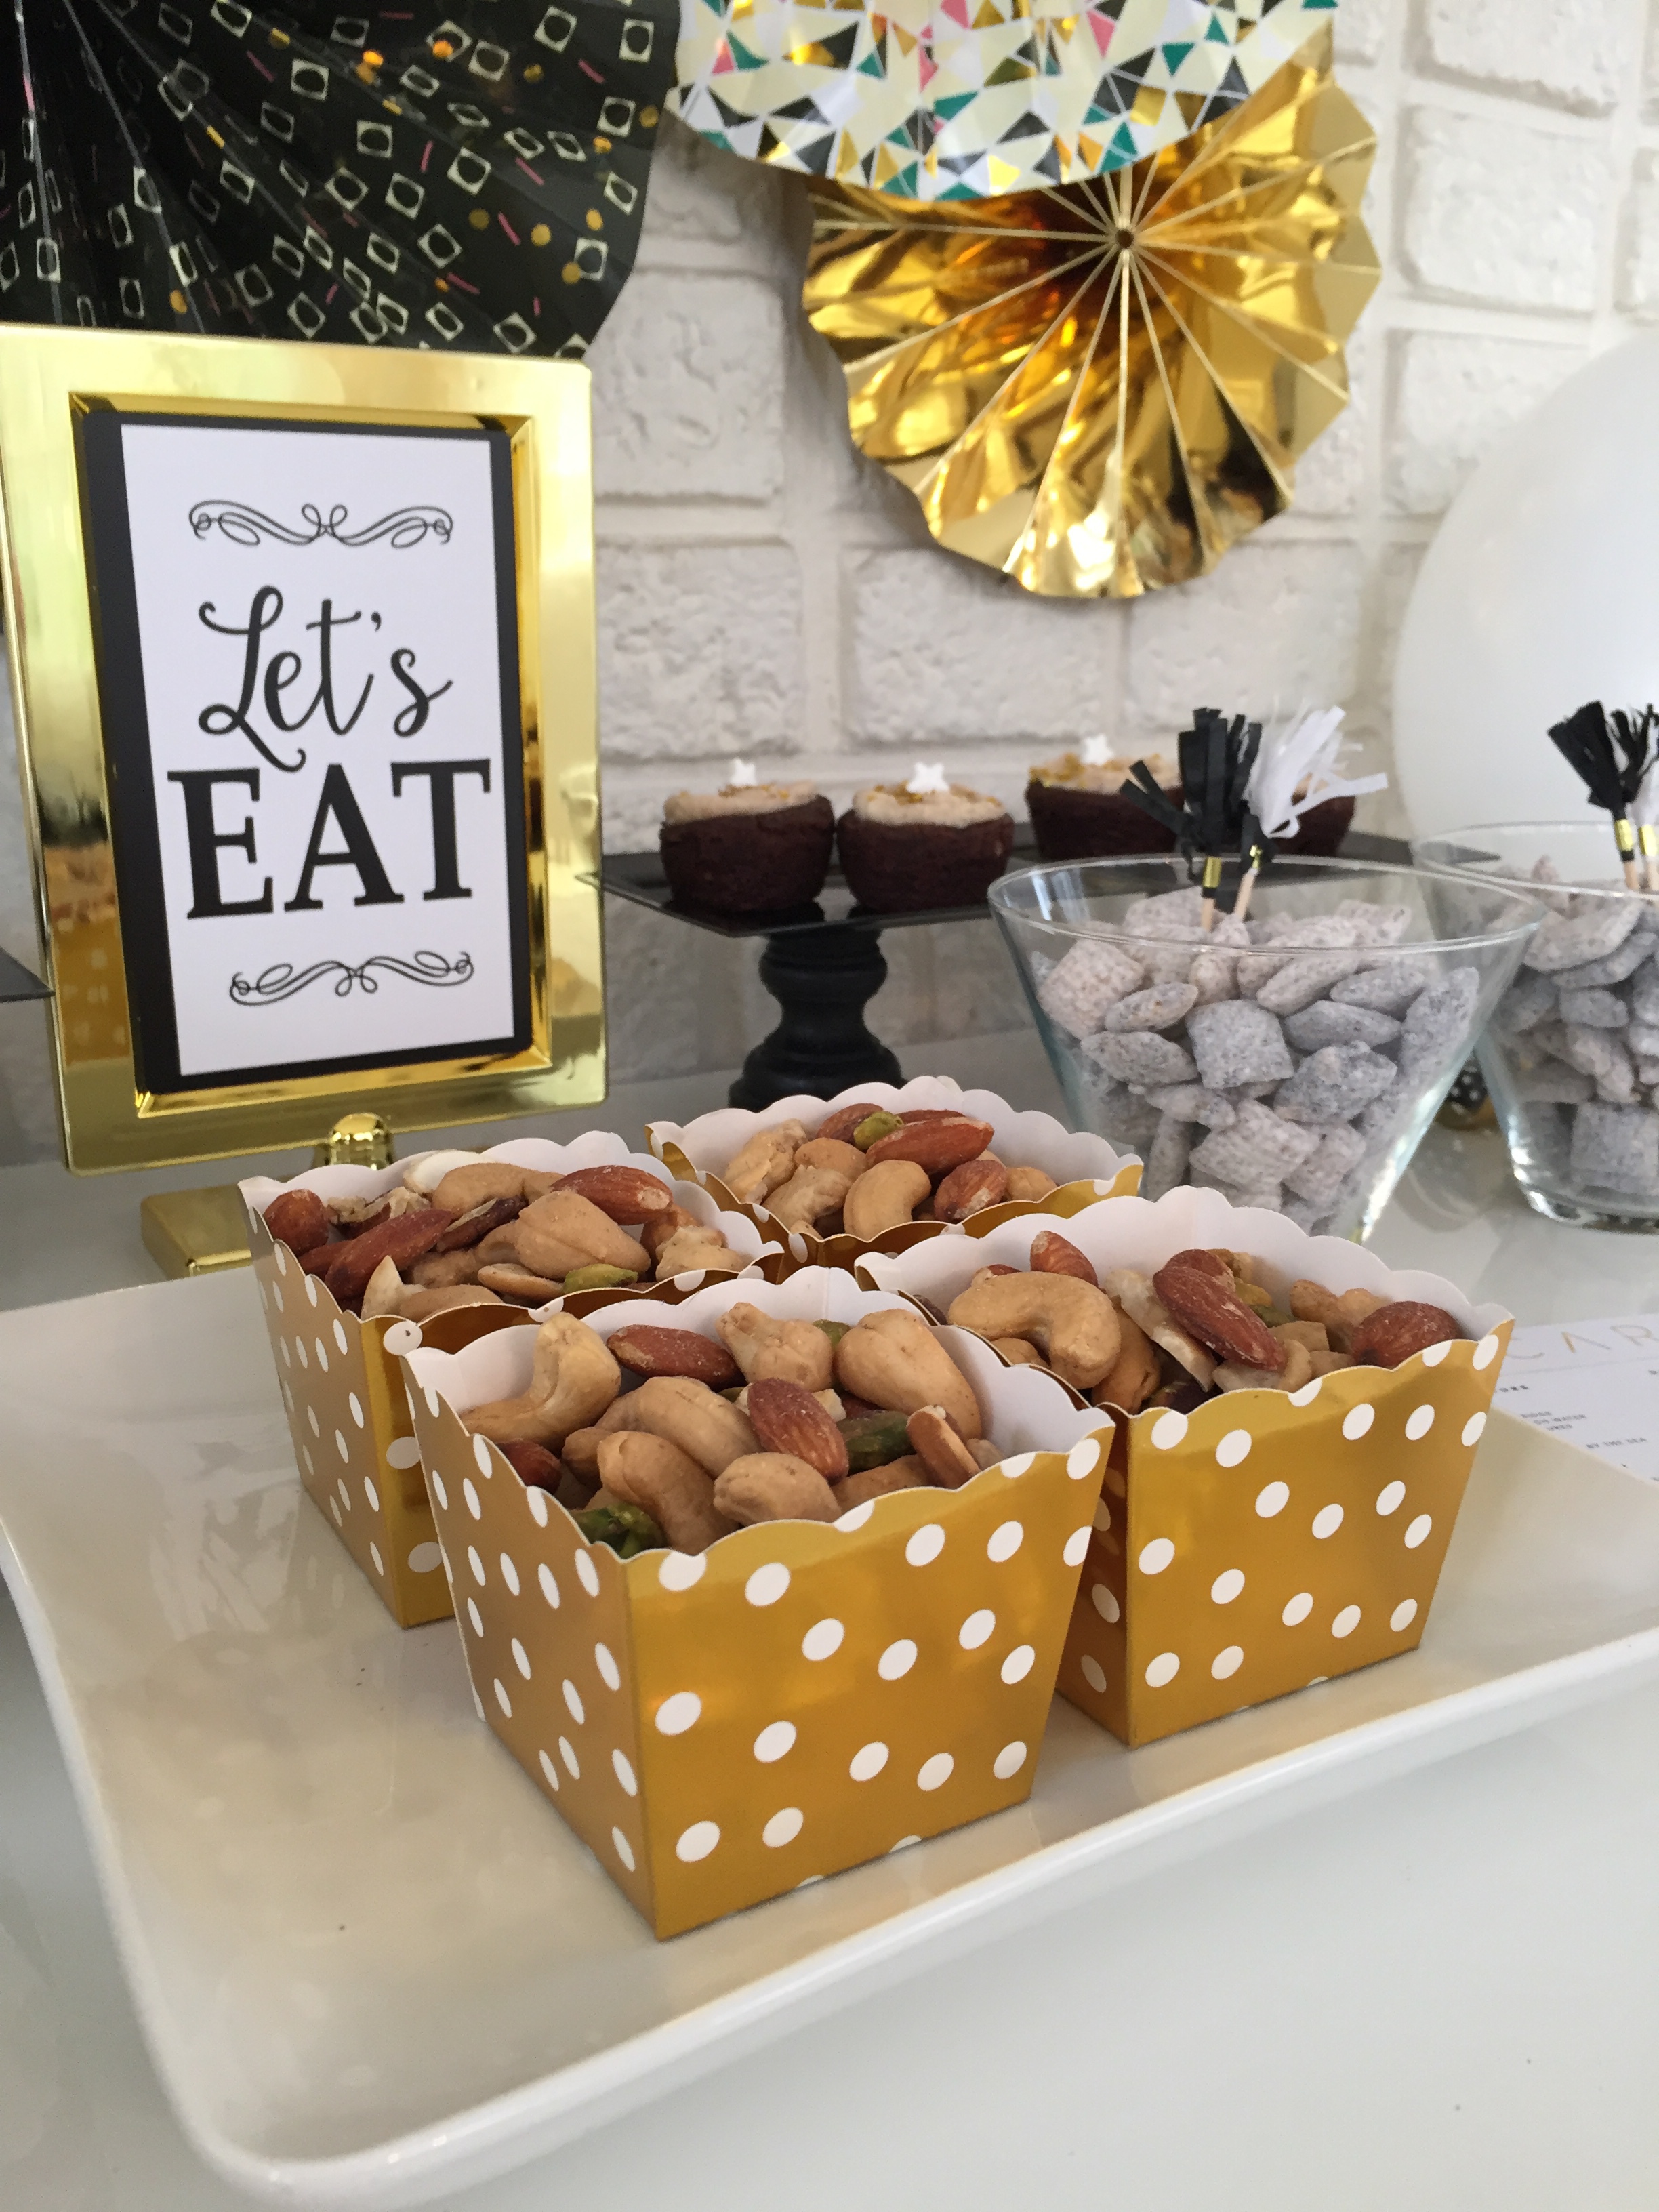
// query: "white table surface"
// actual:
[[1443, 1991]]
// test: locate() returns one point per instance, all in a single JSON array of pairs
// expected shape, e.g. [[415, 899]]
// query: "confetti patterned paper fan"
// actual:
[[1100, 388], [471, 177], [963, 98]]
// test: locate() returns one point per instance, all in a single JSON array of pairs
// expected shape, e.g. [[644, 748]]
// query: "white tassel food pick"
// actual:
[[1295, 771], [1644, 817]]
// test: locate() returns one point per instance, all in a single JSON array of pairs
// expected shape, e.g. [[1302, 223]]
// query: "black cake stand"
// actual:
[[824, 964]]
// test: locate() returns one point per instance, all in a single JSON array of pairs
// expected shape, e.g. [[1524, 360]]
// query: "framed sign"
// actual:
[[302, 663]]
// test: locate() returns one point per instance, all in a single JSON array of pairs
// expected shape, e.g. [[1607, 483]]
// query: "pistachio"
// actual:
[[872, 1131], [598, 1277]]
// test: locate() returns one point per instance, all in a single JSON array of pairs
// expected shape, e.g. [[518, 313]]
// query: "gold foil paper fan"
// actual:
[[1100, 388]]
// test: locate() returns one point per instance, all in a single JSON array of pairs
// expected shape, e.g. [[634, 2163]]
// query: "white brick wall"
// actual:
[[763, 590]]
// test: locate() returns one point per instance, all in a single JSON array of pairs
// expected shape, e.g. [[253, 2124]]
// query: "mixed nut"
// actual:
[[658, 1435], [462, 1230], [1197, 1326], [866, 1171]]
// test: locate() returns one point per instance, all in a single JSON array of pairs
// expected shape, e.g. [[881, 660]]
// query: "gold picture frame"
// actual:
[[50, 381]]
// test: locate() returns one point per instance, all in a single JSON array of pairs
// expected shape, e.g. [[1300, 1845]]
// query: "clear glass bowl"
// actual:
[[1578, 1098], [1355, 990]]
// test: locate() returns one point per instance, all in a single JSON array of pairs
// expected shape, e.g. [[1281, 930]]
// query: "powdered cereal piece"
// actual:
[[1236, 1042], [1391, 986], [1141, 1057], [1125, 1115], [1312, 1215], [1647, 1072], [1267, 1195], [1595, 1009], [1160, 1008], [1595, 928], [1375, 925], [1643, 1037], [1437, 1022], [1258, 1148], [1544, 871], [1617, 1150], [1191, 1102], [1553, 1085], [1094, 974], [1211, 976], [1166, 914], [1333, 1084], [1603, 1056], [1320, 1176], [1526, 1003], [1644, 996], [1637, 947], [1166, 1160], [1386, 1113], [1302, 980], [1326, 1023]]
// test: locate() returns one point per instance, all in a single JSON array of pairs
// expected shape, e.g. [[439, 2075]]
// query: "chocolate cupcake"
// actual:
[[749, 847], [925, 843], [1079, 811]]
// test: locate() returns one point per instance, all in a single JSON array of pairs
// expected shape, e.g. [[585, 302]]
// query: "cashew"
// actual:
[[809, 1193], [766, 1485], [1029, 1184], [650, 1472], [572, 1381], [907, 1473], [1135, 1295], [698, 1247], [1072, 1325], [500, 1248], [580, 1448], [391, 1206], [1327, 1363], [1135, 1372], [696, 1419], [1299, 1369], [564, 1230], [423, 1177], [508, 1280], [829, 1153], [884, 1197], [1310, 1333], [463, 1189], [1017, 1353], [945, 1457], [791, 1351], [893, 1360], [767, 1160], [656, 1232], [1313, 1302], [442, 1271]]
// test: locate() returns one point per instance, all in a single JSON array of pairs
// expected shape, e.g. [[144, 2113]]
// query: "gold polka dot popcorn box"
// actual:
[[721, 1725], [1260, 1528], [880, 1168], [334, 1355]]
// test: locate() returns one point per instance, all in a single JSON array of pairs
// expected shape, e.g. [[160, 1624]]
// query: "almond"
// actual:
[[936, 1145], [646, 1351], [980, 1182], [845, 1119], [1201, 1262], [942, 1451], [470, 1229], [1210, 1310], [787, 1418], [1388, 1337], [299, 1220], [533, 1464], [625, 1194], [1053, 1254], [400, 1240], [657, 1231]]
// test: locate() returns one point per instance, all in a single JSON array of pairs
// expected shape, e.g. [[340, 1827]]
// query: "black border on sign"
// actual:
[[128, 764]]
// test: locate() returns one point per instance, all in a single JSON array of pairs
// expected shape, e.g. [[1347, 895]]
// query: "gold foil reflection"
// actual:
[[1101, 387]]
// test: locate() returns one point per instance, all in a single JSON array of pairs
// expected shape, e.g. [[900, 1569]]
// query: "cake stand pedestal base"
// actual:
[[822, 978]]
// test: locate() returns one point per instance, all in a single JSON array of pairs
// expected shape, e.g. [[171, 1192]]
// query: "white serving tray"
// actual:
[[373, 1968]]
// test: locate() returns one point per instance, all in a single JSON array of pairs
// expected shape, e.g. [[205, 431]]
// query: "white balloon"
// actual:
[[1539, 591]]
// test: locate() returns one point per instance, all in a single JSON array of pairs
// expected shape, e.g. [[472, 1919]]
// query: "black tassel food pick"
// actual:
[[1216, 820], [1586, 743]]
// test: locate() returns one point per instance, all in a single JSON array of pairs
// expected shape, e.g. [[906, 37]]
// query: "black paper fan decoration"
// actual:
[[471, 177]]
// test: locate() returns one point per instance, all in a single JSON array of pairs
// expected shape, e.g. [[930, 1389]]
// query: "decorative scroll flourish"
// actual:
[[284, 981], [246, 526]]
